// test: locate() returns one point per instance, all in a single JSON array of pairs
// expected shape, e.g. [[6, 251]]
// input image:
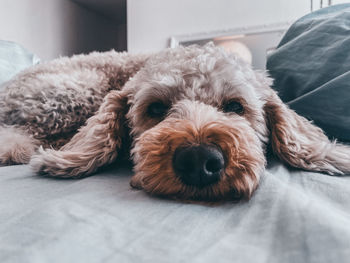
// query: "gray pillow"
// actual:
[[13, 59], [311, 68]]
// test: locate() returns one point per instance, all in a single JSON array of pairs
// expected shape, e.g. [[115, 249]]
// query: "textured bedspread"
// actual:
[[294, 216]]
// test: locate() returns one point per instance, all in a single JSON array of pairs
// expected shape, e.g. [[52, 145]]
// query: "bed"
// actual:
[[294, 216]]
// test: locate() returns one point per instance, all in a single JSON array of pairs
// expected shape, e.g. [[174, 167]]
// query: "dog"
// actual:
[[197, 121]]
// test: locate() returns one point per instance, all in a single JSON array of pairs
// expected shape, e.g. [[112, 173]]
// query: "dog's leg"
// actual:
[[96, 144], [52, 100], [16, 146]]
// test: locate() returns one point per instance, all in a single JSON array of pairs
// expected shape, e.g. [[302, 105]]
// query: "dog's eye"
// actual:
[[233, 106], [157, 109]]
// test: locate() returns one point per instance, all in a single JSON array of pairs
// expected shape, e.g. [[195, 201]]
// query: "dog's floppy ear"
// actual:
[[298, 142], [101, 139], [96, 144]]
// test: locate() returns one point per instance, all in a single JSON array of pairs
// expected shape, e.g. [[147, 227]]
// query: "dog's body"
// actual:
[[199, 119]]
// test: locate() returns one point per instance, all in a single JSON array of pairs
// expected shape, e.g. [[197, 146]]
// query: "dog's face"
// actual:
[[198, 125]]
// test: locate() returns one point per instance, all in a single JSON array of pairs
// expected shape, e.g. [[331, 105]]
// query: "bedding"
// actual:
[[294, 216], [13, 59], [311, 69]]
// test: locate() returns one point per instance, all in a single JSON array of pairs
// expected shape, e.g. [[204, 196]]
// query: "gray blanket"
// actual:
[[293, 217], [311, 69]]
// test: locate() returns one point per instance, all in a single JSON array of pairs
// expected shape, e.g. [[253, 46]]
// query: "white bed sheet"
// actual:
[[294, 216]]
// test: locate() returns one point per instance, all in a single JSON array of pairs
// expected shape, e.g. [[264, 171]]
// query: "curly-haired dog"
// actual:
[[199, 121]]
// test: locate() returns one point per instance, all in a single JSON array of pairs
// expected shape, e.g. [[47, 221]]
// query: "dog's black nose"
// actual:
[[198, 165]]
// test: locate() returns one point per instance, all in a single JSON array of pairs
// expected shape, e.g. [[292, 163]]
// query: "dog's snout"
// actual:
[[198, 165]]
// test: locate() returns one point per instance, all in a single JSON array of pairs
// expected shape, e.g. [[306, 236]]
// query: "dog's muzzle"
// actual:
[[198, 165]]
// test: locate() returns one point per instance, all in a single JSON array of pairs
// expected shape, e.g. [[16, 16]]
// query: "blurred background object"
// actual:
[[237, 47], [250, 43], [52, 28]]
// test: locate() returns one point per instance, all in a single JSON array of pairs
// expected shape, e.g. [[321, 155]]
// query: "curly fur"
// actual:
[[94, 145], [83, 110], [52, 100], [17, 146], [199, 124]]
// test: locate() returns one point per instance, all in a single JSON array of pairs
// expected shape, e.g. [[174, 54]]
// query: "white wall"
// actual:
[[150, 23], [51, 28]]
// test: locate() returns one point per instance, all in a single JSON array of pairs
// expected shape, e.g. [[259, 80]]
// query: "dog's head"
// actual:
[[200, 121], [198, 124]]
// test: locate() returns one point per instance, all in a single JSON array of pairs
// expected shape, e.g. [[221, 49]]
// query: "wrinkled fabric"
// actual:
[[294, 216], [311, 69], [13, 59]]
